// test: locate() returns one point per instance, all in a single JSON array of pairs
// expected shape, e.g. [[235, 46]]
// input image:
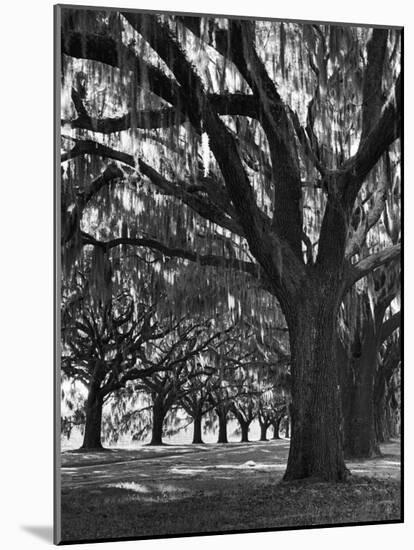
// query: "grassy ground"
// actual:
[[184, 489]]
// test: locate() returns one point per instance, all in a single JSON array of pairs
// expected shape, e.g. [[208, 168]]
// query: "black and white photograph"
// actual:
[[228, 230]]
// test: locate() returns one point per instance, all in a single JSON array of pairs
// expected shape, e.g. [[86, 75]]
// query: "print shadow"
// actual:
[[42, 532]]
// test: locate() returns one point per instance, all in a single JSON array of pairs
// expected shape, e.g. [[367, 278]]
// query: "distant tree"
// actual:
[[262, 392], [196, 402], [387, 400], [220, 397], [244, 409], [176, 369], [265, 419], [103, 343], [369, 315], [371, 323], [72, 408], [277, 420]]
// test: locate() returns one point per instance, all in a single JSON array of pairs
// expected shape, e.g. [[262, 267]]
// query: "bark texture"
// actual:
[[359, 383], [316, 449], [222, 420], [197, 437], [158, 415], [244, 426], [263, 431], [276, 428], [360, 434], [94, 404]]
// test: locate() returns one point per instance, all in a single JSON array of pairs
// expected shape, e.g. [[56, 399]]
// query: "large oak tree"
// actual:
[[272, 135]]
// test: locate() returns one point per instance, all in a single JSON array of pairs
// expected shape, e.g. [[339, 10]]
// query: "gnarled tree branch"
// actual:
[[368, 264], [390, 325], [202, 259]]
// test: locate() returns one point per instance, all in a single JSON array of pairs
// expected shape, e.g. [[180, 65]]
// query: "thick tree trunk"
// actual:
[[388, 423], [383, 427], [158, 415], [380, 406], [316, 448], [244, 426], [346, 380], [222, 419], [263, 432], [276, 428], [394, 425], [93, 424], [360, 435], [197, 438], [385, 403]]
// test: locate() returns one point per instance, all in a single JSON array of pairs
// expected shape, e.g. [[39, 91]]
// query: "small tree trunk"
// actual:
[[158, 415], [287, 428], [222, 419], [93, 424], [197, 438], [316, 444]]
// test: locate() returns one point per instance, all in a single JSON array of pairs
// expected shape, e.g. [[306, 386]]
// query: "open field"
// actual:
[[207, 488]]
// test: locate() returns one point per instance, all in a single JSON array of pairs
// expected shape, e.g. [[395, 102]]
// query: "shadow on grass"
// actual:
[[78, 458], [129, 509]]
